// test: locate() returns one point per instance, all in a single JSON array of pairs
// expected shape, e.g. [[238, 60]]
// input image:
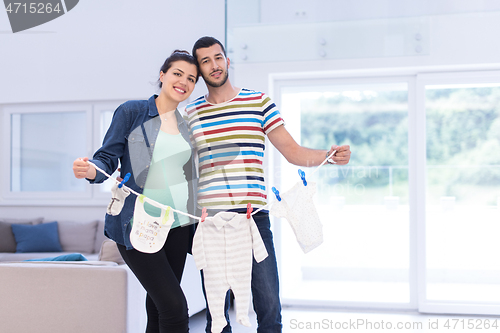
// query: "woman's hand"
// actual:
[[118, 178], [82, 169]]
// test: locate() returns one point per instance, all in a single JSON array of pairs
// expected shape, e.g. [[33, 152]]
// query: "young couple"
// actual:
[[224, 132]]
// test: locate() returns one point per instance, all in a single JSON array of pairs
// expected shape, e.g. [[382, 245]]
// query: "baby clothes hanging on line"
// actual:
[[298, 208], [118, 196], [222, 247], [149, 233]]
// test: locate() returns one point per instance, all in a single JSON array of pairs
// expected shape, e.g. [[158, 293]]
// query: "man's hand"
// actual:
[[342, 154]]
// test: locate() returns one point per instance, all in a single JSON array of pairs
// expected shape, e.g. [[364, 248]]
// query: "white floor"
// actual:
[[305, 320]]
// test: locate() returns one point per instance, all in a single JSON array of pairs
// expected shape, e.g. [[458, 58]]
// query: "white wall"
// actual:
[[288, 11], [100, 50]]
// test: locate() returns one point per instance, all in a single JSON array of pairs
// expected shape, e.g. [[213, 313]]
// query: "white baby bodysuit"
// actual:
[[118, 196], [298, 208], [222, 247]]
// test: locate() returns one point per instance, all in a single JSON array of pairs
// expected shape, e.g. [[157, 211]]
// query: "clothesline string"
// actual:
[[324, 161], [312, 173], [160, 205], [150, 201]]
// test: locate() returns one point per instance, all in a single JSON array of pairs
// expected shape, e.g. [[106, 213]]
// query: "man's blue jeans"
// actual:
[[265, 285]]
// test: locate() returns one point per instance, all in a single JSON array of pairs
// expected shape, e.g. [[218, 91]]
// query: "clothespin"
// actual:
[[204, 214], [302, 175], [127, 177], [276, 193], [249, 210], [166, 216]]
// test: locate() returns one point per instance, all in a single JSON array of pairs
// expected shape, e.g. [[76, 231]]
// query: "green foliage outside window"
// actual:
[[463, 140]]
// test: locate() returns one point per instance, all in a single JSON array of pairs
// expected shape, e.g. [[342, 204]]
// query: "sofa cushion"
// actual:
[[77, 236], [37, 238], [33, 221], [17, 257], [63, 257], [99, 236], [109, 252], [7, 240]]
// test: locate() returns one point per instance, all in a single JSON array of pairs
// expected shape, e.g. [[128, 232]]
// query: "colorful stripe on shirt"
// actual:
[[230, 141]]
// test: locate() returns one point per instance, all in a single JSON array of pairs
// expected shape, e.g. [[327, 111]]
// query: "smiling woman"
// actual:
[[181, 78], [150, 140], [177, 80]]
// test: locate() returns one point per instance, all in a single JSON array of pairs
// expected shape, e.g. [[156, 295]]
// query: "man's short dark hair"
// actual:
[[205, 42]]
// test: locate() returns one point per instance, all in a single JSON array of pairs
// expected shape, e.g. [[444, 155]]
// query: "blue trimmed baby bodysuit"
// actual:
[[298, 208]]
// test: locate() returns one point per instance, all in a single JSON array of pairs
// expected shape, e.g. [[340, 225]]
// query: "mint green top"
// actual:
[[170, 154]]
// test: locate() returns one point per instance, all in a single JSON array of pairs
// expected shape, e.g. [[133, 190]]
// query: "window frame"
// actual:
[[454, 78], [97, 140], [91, 196], [277, 82]]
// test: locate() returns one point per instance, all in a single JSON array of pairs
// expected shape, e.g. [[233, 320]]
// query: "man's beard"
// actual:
[[216, 84]]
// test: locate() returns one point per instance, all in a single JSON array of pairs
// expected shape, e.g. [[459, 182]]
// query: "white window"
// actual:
[[459, 168], [42, 141], [103, 114], [364, 206], [412, 221]]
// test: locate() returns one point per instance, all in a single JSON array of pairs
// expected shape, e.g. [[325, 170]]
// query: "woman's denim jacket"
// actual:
[[130, 140]]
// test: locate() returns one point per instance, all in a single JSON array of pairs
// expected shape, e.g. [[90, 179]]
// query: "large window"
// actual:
[[42, 145], [412, 221], [460, 266], [103, 115], [363, 206], [43, 141]]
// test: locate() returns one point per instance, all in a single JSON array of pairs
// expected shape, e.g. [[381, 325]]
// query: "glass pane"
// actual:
[[363, 206], [268, 31], [463, 193], [105, 121], [44, 146]]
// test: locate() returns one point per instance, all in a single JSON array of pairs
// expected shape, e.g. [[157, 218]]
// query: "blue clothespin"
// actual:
[[277, 193], [302, 175], [127, 177]]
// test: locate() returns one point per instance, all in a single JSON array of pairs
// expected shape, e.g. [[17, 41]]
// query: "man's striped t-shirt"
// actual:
[[230, 138]]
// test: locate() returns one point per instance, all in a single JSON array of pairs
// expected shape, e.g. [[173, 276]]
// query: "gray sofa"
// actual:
[[75, 237], [98, 295]]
